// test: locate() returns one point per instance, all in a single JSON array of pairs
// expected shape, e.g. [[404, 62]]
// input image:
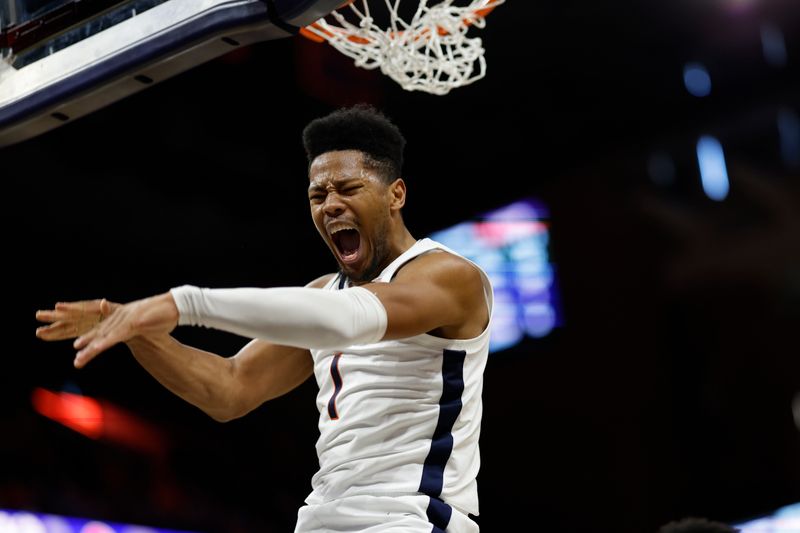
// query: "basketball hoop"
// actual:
[[430, 52]]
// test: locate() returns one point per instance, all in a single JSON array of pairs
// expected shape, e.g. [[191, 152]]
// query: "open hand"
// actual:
[[108, 324], [72, 319]]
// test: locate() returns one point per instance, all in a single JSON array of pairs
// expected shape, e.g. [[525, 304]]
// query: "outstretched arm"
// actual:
[[438, 292], [224, 388], [292, 316]]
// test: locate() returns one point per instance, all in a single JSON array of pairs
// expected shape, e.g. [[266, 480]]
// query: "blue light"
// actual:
[[511, 244], [784, 520], [774, 45], [713, 170], [789, 131], [696, 79], [17, 520]]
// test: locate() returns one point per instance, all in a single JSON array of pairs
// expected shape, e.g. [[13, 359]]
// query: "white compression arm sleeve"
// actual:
[[292, 316]]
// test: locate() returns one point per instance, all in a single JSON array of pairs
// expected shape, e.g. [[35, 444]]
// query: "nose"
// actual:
[[333, 205]]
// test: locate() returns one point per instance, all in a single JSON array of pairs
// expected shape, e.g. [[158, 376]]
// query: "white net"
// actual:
[[430, 51]]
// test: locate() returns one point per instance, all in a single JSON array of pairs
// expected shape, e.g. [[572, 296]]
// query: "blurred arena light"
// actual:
[[789, 132], [78, 413], [99, 420], [511, 244], [783, 520], [15, 521], [697, 79], [739, 6], [713, 169], [773, 45]]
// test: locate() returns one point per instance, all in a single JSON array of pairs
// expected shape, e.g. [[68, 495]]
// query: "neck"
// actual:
[[398, 242]]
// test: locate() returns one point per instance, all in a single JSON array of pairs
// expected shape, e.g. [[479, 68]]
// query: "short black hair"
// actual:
[[696, 525], [360, 127]]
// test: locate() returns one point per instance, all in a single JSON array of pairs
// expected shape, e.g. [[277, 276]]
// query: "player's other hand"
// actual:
[[72, 319], [117, 323]]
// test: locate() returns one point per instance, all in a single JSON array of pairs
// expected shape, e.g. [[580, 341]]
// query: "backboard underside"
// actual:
[[62, 61]]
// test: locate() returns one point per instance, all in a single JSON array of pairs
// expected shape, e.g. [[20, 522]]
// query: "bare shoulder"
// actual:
[[443, 268], [321, 281], [449, 291]]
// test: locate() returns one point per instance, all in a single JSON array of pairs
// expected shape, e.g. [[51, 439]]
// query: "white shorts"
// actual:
[[383, 514]]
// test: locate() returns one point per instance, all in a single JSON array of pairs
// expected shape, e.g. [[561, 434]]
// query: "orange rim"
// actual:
[[309, 34]]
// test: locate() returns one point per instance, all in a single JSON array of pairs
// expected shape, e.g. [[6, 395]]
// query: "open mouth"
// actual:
[[348, 244]]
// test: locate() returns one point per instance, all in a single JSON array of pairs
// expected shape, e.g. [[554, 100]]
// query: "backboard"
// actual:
[[63, 59]]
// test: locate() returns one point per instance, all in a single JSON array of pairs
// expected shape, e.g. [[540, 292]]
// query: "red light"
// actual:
[[82, 414], [100, 419], [503, 232]]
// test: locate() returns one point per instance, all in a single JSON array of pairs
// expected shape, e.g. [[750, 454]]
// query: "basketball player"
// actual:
[[397, 340]]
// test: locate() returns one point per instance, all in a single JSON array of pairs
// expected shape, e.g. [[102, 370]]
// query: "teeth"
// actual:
[[336, 229]]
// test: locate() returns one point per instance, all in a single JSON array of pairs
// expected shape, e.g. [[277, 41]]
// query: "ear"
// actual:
[[397, 192]]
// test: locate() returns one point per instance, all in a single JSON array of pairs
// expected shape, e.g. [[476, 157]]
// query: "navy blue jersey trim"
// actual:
[[337, 387], [439, 514], [449, 409]]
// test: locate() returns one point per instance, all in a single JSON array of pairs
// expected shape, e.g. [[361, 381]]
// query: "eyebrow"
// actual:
[[339, 182]]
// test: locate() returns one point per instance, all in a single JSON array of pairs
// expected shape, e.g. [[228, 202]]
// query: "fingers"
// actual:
[[57, 331], [72, 319], [81, 306], [59, 326], [106, 308], [47, 316], [86, 355], [88, 347], [85, 339], [92, 323], [101, 336], [56, 315], [60, 313], [94, 343]]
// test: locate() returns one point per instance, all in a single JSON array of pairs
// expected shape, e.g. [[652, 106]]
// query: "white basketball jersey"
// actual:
[[401, 416]]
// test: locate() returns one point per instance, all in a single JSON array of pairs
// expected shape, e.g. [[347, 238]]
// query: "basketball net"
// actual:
[[430, 52]]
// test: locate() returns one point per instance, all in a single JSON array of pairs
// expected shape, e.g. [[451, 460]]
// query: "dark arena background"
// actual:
[[659, 140]]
